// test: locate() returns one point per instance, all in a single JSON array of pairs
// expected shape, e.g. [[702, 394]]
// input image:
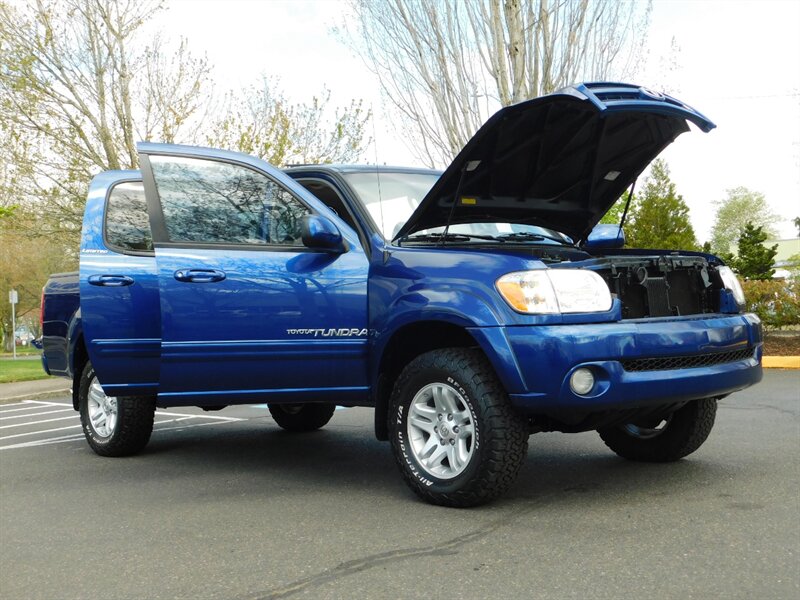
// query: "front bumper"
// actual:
[[544, 357]]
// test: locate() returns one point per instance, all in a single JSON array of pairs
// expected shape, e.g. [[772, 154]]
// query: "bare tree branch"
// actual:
[[446, 65]]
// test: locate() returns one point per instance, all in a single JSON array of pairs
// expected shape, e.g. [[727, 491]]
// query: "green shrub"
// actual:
[[777, 303]]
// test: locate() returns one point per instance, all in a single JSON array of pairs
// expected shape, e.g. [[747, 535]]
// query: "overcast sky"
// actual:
[[738, 63]]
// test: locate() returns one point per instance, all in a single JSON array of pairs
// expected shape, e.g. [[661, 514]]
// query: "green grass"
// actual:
[[21, 351], [25, 369]]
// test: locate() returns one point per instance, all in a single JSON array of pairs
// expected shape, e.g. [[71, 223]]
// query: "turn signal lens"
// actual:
[[529, 292]]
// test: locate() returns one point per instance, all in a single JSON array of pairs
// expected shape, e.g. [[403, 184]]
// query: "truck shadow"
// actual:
[[271, 462]]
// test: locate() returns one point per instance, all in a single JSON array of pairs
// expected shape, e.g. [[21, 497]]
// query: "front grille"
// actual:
[[686, 362]]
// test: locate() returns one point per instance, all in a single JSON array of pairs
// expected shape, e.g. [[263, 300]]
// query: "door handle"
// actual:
[[110, 280], [199, 275]]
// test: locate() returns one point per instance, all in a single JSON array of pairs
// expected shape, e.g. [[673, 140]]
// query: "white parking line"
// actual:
[[172, 414], [16, 435], [57, 440], [71, 417], [27, 415], [190, 426], [79, 436], [178, 422], [30, 407]]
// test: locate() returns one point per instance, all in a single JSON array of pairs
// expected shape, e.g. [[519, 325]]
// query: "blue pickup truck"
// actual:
[[469, 308]]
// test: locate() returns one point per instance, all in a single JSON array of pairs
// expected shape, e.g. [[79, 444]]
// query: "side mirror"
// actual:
[[319, 233], [605, 236]]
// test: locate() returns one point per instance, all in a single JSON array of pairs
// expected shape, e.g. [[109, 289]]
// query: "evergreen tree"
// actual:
[[661, 217], [755, 260], [614, 214]]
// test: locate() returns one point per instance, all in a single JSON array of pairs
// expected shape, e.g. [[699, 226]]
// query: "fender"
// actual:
[[463, 308]]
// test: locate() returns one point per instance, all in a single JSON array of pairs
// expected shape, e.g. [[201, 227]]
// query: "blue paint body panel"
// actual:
[[121, 325], [305, 325]]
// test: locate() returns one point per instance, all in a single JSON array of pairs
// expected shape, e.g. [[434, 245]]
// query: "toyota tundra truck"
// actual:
[[469, 308]]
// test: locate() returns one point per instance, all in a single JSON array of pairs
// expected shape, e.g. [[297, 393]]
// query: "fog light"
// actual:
[[582, 381]]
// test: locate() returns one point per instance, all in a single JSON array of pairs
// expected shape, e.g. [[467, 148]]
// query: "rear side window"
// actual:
[[127, 228], [212, 202]]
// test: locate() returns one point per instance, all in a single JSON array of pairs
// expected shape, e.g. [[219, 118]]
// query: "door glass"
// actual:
[[211, 202], [127, 228]]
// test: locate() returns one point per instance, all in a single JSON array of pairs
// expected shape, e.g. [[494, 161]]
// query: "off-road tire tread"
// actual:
[[311, 417], [134, 424], [504, 432], [689, 428]]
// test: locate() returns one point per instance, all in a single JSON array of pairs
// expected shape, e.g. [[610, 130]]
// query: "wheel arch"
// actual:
[[413, 339]]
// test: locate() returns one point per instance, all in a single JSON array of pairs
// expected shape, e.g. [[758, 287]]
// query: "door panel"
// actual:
[[119, 288], [249, 313], [240, 335]]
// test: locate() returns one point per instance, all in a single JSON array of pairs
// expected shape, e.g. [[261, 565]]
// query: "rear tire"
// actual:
[[118, 426], [298, 418], [455, 437], [678, 435]]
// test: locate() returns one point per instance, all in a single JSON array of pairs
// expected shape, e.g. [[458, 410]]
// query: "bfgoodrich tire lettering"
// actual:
[[678, 435], [118, 426], [494, 444]]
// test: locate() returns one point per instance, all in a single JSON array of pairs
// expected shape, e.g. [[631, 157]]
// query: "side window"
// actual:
[[211, 202], [127, 228], [331, 198]]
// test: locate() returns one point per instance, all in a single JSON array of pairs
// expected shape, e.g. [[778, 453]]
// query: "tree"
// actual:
[[614, 214], [754, 259], [796, 222], [445, 66], [661, 217], [740, 206], [261, 121], [25, 264], [79, 85]]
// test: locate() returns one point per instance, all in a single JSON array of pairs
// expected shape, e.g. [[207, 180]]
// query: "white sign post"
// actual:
[[13, 297]]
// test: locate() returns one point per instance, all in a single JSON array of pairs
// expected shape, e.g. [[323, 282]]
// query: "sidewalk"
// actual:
[[41, 388]]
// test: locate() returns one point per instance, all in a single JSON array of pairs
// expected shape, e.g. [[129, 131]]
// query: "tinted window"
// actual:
[[206, 201], [127, 226]]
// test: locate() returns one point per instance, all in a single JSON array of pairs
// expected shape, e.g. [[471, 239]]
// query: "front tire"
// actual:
[[118, 426], [299, 418], [663, 439], [455, 436]]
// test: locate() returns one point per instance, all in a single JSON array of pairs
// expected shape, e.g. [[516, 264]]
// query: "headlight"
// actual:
[[553, 291], [731, 283]]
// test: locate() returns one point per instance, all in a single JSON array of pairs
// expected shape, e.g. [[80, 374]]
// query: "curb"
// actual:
[[35, 389], [781, 362], [35, 396]]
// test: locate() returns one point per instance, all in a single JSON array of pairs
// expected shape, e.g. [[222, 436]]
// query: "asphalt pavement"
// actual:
[[226, 505]]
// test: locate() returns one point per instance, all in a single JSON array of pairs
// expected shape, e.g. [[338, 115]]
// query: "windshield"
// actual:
[[391, 197]]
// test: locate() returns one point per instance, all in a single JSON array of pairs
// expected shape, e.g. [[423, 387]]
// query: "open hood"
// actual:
[[559, 161]]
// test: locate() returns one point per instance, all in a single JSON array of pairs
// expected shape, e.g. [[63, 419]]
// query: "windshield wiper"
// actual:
[[450, 237], [530, 237]]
